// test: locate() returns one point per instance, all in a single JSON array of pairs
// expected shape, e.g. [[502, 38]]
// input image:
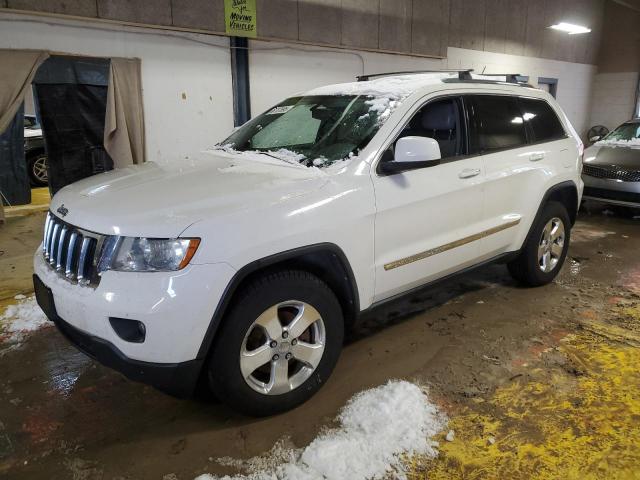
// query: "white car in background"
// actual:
[[242, 268], [35, 153]]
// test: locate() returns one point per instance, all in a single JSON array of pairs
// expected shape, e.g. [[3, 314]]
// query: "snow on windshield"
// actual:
[[327, 125]]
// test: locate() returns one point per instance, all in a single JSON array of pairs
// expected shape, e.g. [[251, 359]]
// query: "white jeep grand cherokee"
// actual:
[[240, 269]]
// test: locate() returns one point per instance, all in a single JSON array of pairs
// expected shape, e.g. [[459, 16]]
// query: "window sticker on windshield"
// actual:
[[280, 110]]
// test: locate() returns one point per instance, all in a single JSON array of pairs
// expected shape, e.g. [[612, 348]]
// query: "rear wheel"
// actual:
[[278, 344], [545, 249]]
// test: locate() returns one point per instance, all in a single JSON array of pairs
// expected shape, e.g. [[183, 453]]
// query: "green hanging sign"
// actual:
[[240, 18]]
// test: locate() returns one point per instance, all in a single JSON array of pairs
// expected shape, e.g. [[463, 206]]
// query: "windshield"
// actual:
[[625, 132], [30, 122], [313, 130]]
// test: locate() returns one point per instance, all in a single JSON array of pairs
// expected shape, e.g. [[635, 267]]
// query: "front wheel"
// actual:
[[38, 170], [278, 344], [545, 249]]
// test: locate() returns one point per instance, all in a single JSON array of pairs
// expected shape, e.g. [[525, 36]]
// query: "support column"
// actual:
[[240, 79]]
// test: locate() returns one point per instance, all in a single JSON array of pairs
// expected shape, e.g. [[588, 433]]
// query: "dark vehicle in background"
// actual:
[[34, 152], [611, 169]]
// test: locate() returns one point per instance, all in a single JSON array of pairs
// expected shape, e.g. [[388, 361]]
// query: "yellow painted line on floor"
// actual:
[[40, 199], [579, 421]]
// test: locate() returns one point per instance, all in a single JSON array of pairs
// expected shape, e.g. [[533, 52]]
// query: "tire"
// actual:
[[530, 268], [37, 166], [256, 391]]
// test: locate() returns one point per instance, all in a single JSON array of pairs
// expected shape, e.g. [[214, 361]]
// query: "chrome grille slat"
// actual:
[[49, 235], [63, 233], [44, 237], [54, 243], [72, 252], [84, 249]]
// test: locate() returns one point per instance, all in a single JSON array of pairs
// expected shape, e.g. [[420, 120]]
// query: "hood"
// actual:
[[163, 200], [609, 156]]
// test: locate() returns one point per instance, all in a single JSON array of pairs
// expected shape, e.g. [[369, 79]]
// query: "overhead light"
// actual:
[[570, 28]]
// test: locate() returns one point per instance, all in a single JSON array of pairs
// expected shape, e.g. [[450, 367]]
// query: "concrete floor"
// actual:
[[538, 383]]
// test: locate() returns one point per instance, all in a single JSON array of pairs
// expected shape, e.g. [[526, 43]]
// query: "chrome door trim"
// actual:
[[449, 246]]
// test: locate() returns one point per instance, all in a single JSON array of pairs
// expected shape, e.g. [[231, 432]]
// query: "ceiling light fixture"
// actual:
[[570, 28]]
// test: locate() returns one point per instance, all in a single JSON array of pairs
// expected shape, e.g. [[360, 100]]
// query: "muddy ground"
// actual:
[[64, 416]]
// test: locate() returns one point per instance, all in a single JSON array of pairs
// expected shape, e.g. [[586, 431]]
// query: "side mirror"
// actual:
[[595, 138], [412, 153]]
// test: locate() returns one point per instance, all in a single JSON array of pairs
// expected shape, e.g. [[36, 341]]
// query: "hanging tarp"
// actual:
[[17, 68], [71, 97], [15, 188], [124, 124]]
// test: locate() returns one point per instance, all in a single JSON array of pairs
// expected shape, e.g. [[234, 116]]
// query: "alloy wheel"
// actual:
[[40, 169], [282, 348], [551, 245]]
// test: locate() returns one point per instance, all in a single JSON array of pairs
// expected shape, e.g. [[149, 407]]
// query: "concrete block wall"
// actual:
[[422, 27], [575, 80], [614, 96], [279, 70]]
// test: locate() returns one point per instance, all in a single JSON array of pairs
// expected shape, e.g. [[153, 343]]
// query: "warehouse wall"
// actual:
[[424, 27], [616, 84], [278, 70], [187, 80], [186, 84]]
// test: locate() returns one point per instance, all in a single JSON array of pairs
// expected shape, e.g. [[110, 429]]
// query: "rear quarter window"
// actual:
[[543, 122]]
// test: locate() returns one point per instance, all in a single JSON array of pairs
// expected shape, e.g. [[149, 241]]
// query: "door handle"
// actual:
[[469, 173], [534, 157]]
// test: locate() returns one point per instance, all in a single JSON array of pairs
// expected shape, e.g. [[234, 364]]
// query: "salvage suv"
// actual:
[[241, 268]]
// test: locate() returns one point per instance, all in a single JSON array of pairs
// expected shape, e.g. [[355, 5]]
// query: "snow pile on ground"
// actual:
[[24, 316], [378, 427], [634, 142]]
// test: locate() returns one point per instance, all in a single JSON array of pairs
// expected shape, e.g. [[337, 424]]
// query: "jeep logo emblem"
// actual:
[[62, 210]]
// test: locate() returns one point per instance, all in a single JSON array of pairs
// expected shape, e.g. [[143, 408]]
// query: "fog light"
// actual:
[[129, 330]]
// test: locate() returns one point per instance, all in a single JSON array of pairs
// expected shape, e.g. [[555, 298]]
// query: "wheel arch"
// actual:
[[564, 192], [325, 260], [34, 151]]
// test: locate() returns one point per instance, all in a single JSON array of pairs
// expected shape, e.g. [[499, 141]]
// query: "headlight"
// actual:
[[140, 254]]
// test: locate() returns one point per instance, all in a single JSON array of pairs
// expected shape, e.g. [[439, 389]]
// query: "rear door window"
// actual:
[[542, 120], [496, 123]]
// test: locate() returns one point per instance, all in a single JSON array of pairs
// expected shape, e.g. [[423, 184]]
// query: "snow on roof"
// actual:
[[396, 87]]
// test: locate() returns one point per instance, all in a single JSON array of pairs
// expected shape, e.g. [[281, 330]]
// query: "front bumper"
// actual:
[[178, 379], [176, 309], [615, 192]]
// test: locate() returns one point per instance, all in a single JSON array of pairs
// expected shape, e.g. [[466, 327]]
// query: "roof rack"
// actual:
[[462, 74], [509, 77]]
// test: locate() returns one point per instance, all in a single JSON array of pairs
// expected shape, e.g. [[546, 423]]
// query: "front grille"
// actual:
[[612, 173], [72, 252]]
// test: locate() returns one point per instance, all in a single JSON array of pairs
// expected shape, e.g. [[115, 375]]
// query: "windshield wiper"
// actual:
[[290, 162]]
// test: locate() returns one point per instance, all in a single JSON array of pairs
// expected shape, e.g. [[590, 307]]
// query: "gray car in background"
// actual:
[[611, 169]]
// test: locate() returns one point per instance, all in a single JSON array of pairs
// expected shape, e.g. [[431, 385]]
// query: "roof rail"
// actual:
[[509, 77], [462, 74]]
